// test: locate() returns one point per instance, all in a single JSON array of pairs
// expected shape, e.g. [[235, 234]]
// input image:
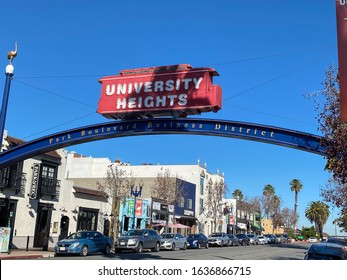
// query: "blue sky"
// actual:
[[269, 54]]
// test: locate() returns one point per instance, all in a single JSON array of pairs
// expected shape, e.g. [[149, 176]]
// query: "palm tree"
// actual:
[[237, 194], [268, 190], [268, 193], [317, 212], [295, 186]]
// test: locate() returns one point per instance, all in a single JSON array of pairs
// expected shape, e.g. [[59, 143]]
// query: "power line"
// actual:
[[45, 130], [55, 94], [273, 79]]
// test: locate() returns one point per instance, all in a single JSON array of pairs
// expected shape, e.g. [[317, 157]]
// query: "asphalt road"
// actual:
[[294, 251]]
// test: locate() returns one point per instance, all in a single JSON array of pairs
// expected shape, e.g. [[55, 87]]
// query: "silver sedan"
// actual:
[[173, 241]]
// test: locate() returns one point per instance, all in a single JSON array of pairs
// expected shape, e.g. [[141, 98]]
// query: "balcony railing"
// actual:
[[12, 180], [50, 187]]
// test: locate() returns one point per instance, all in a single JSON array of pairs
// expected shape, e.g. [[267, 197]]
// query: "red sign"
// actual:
[[176, 90], [341, 21]]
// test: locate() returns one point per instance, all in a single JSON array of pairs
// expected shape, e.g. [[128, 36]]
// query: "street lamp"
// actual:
[[9, 73], [135, 193]]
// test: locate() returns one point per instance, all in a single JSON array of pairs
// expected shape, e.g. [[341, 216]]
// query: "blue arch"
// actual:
[[232, 129]]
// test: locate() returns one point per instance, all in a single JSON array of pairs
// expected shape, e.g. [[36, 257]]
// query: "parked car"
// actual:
[[233, 240], [286, 238], [137, 240], [262, 240], [218, 239], [271, 238], [84, 243], [325, 251], [337, 240], [253, 238], [173, 241], [279, 239], [313, 239], [198, 241], [244, 239]]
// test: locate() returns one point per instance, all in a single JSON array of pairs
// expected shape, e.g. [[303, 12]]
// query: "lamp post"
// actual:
[[135, 193], [9, 73]]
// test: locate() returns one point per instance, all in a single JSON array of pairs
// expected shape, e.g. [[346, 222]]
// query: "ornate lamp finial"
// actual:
[[12, 54]]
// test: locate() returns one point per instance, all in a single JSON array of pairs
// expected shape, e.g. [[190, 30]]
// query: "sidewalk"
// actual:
[[16, 254]]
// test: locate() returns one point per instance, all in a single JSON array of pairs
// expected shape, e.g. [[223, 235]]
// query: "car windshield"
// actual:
[[216, 235], [193, 236], [78, 235], [167, 235], [134, 233]]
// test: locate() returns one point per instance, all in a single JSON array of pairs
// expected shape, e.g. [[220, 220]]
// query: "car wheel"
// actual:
[[173, 247], [107, 250], [84, 250], [198, 246], [206, 246], [157, 247], [139, 248], [185, 246]]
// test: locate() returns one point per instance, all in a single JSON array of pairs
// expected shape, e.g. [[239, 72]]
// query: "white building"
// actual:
[[86, 171]]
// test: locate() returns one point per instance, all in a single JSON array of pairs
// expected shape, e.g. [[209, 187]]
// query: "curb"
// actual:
[[24, 257]]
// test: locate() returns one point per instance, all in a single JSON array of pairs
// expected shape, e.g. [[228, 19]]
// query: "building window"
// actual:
[[87, 219], [202, 186], [181, 202], [13, 178], [189, 203], [49, 185]]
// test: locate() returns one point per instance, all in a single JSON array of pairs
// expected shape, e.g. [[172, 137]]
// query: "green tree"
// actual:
[[318, 213], [295, 186]]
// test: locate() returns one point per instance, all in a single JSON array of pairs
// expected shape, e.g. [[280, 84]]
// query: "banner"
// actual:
[[138, 211], [5, 233]]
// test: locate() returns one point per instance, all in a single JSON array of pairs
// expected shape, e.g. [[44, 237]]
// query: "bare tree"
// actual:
[[116, 185], [215, 195], [168, 188]]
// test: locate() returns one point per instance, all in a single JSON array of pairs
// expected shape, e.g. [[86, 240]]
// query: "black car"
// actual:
[[244, 239], [326, 251], [198, 241], [233, 240]]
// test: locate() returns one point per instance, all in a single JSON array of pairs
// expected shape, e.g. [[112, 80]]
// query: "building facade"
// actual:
[[190, 210]]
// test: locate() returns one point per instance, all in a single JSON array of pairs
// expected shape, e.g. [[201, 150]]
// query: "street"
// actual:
[[293, 251]]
